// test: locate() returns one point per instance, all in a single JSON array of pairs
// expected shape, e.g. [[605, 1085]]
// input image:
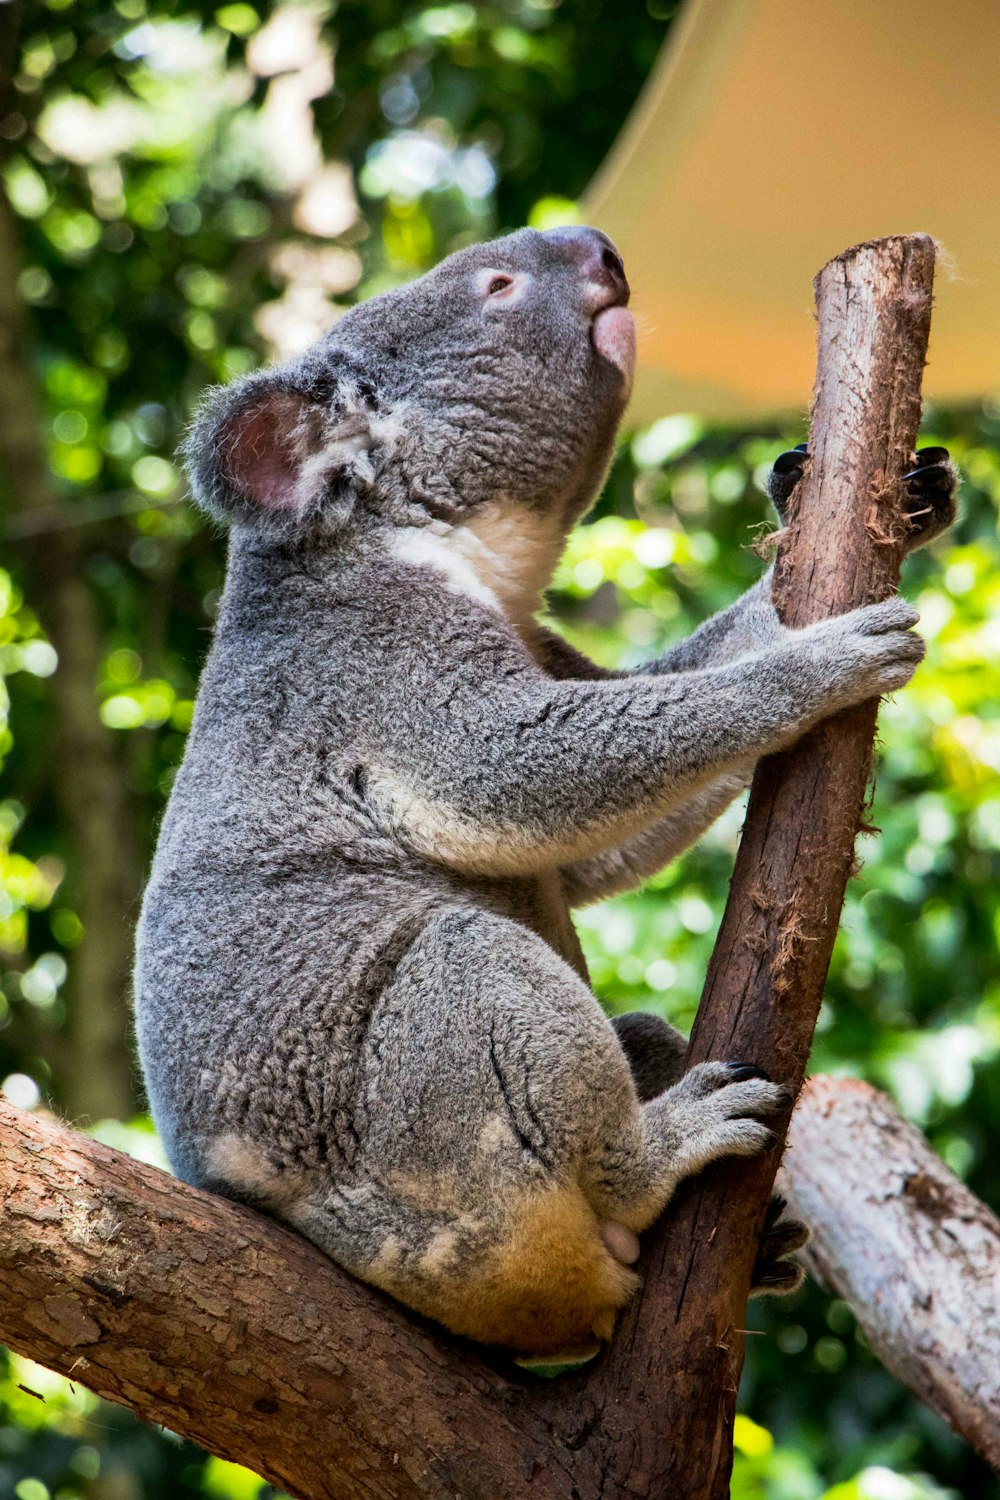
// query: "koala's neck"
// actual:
[[504, 555]]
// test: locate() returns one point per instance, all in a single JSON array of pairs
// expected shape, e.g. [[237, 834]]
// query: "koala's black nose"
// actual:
[[598, 260]]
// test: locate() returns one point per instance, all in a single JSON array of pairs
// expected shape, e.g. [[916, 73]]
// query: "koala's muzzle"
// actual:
[[606, 293], [599, 262]]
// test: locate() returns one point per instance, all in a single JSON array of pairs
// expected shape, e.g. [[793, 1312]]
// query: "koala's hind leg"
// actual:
[[505, 1161], [487, 1064], [715, 1110]]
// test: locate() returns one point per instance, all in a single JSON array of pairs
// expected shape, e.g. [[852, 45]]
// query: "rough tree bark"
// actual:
[[679, 1352], [207, 1317], [231, 1331], [239, 1334], [902, 1240]]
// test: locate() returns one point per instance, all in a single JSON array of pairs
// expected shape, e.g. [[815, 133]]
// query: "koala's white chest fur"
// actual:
[[504, 556]]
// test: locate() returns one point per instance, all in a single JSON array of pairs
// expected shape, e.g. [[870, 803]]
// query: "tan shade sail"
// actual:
[[772, 135]]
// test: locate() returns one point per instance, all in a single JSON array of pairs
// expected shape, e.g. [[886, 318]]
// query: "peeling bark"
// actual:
[[904, 1242]]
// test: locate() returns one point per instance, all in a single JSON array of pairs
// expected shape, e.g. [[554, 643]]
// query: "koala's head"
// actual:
[[501, 375]]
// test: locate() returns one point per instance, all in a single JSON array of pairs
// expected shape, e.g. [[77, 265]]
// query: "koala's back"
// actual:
[[281, 900], [251, 1002]]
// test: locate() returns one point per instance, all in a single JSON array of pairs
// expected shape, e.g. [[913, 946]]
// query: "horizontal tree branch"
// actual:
[[905, 1243], [234, 1332]]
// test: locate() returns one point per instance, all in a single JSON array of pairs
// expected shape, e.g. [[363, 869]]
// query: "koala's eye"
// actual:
[[503, 288]]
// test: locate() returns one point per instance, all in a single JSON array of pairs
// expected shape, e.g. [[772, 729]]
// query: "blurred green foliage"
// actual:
[[196, 187]]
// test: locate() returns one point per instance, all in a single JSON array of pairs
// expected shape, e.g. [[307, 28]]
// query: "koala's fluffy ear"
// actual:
[[265, 453]]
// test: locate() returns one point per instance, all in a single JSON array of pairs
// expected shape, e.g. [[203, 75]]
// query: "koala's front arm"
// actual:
[[745, 627], [521, 772], [635, 859]]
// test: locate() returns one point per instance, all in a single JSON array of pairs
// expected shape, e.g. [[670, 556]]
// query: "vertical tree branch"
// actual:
[[676, 1361]]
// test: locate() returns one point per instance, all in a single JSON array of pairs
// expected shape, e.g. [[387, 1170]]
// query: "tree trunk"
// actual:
[[91, 786], [679, 1354], [901, 1239], [240, 1335]]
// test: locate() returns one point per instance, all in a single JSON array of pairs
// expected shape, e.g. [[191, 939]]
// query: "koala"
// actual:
[[361, 1005]]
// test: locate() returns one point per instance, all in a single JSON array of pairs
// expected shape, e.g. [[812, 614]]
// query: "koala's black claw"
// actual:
[[743, 1070], [932, 477], [776, 1205], [930, 502], [926, 456], [791, 460], [783, 1235], [777, 1280], [787, 1237], [785, 474], [773, 1273]]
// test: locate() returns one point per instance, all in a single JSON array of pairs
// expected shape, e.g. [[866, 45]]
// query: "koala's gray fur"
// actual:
[[361, 1003]]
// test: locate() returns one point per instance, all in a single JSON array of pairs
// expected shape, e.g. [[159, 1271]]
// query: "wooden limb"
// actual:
[[680, 1349], [240, 1335], [901, 1239]]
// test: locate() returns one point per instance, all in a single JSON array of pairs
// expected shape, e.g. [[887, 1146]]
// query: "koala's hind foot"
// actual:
[[715, 1111], [655, 1051], [774, 1274], [931, 485]]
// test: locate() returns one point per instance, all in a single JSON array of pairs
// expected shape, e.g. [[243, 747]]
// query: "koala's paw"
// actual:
[[867, 652], [655, 1051], [784, 476], [715, 1111], [773, 1273], [931, 486]]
